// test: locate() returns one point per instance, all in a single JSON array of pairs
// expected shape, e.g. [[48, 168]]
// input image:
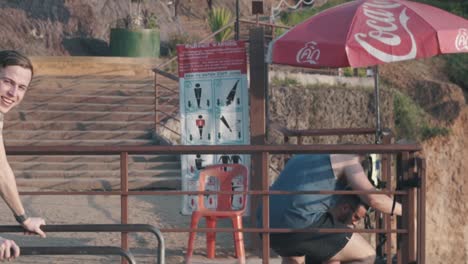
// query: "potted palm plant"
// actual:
[[137, 34]]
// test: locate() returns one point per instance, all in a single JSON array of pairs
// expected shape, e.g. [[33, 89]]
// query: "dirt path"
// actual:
[[160, 211]]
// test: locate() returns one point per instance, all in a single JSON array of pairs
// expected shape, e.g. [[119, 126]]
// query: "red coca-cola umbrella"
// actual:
[[368, 33]]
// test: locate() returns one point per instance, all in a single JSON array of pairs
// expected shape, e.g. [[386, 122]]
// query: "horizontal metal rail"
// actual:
[[99, 251], [251, 192], [212, 149], [101, 228], [284, 230]]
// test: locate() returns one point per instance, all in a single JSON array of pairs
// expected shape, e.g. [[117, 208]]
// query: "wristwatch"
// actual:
[[21, 218]]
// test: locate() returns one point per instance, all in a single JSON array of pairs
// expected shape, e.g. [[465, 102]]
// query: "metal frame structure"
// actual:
[[407, 173], [92, 250]]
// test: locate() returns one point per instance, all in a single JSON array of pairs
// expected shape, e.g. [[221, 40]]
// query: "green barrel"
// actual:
[[134, 43]]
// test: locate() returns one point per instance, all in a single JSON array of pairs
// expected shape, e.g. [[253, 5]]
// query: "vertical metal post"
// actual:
[[124, 199], [378, 125], [400, 171], [156, 103], [237, 36], [258, 87], [266, 210], [411, 217], [386, 177], [407, 242], [422, 212]]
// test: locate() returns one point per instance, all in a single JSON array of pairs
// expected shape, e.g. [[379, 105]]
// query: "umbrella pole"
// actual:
[[378, 125]]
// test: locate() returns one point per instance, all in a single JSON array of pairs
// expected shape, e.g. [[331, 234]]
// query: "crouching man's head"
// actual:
[[16, 73], [349, 210]]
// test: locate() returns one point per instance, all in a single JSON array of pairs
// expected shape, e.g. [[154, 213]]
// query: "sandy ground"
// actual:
[[159, 211]]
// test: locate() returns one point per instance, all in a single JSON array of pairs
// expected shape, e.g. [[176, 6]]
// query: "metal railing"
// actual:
[[96, 250], [405, 160], [92, 250]]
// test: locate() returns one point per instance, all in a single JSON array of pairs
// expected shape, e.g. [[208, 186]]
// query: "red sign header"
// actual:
[[211, 57]]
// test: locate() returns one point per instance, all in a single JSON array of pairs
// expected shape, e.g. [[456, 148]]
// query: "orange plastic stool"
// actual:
[[225, 177]]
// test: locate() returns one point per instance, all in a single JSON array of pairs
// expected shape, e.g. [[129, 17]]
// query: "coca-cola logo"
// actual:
[[309, 53], [461, 42], [382, 21]]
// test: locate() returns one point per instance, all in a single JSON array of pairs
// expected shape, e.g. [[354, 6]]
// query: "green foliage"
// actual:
[[278, 30], [293, 18], [138, 17], [411, 122], [457, 68], [218, 18], [296, 17], [428, 132], [349, 72], [456, 7], [284, 82], [175, 39], [149, 20]]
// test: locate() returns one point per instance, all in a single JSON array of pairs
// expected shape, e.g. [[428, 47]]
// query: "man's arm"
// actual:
[[356, 178], [9, 193]]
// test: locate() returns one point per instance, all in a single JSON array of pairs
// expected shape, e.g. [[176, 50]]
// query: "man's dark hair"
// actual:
[[15, 58], [352, 199]]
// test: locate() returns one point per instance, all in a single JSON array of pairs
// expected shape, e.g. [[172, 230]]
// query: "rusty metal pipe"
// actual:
[[100, 228], [99, 251]]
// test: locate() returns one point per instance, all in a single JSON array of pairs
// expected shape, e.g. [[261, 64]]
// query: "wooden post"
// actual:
[[258, 88]]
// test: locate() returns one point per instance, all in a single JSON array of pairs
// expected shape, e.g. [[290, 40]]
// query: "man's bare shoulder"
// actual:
[[344, 158]]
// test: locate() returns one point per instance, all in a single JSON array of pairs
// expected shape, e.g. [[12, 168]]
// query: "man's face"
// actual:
[[14, 81], [350, 216]]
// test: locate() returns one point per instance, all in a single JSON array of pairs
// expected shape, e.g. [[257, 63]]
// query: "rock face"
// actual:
[[447, 194], [323, 107], [82, 27], [447, 169], [53, 27]]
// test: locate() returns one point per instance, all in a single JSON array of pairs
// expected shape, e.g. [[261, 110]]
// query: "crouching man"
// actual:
[[315, 172]]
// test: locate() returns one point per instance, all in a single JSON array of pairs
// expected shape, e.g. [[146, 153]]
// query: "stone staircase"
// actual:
[[89, 110]]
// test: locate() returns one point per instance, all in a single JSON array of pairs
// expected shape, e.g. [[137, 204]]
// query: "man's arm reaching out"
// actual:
[[9, 193], [350, 167]]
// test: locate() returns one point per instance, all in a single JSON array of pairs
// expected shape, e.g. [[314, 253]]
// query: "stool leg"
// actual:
[[238, 239], [210, 237], [193, 224]]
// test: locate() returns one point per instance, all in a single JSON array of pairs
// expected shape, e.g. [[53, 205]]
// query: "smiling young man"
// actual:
[[16, 73]]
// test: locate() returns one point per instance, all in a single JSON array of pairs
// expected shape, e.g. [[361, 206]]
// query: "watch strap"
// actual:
[[21, 218]]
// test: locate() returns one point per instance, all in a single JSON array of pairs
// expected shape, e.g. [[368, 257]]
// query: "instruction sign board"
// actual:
[[214, 108]]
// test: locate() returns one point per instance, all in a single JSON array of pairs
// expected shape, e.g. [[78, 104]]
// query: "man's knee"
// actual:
[[357, 250]]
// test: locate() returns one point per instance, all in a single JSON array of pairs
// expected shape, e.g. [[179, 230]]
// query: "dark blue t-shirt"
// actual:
[[302, 173]]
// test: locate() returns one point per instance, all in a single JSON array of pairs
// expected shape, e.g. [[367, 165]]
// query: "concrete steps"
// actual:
[[45, 115], [90, 110], [98, 184], [78, 125], [162, 167], [78, 135]]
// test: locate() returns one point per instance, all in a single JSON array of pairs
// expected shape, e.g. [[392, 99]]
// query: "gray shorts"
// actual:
[[317, 247]]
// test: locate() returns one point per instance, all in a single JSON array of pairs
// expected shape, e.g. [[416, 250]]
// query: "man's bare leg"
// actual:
[[356, 251], [293, 260]]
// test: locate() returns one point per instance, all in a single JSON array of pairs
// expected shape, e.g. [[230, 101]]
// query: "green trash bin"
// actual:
[[134, 42]]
